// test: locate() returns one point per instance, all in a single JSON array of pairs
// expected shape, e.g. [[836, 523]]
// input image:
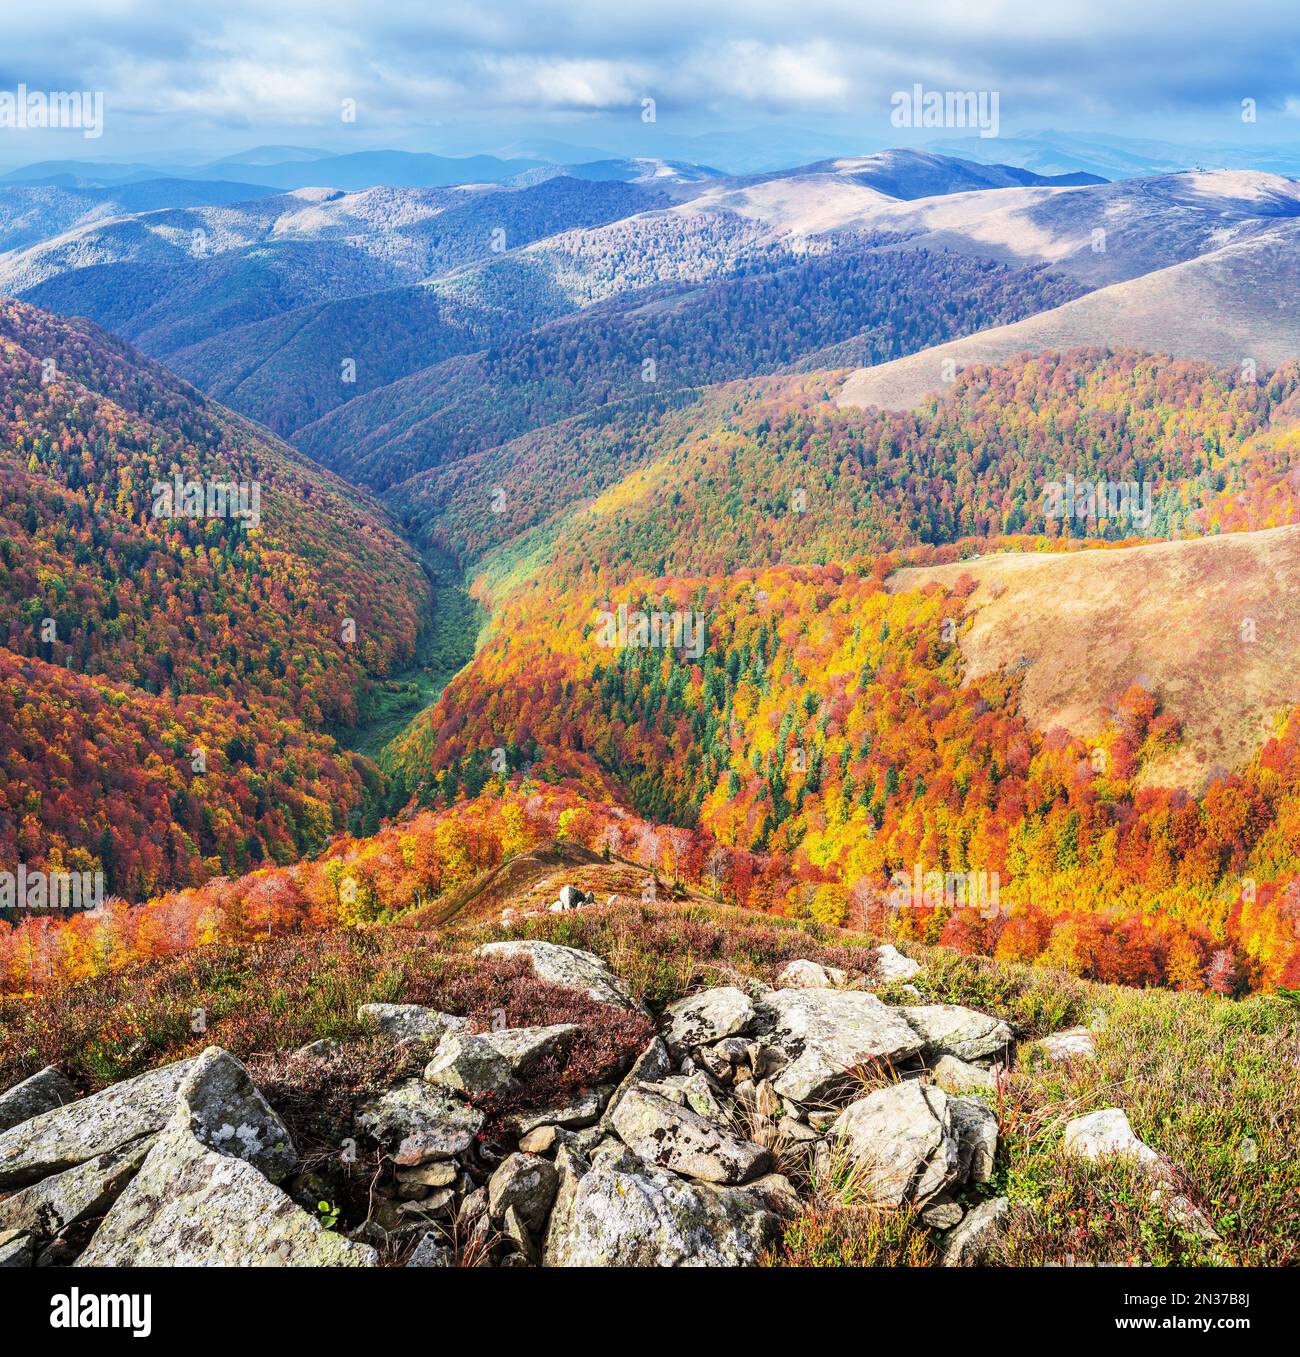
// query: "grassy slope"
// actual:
[[1210, 1083], [1084, 625]]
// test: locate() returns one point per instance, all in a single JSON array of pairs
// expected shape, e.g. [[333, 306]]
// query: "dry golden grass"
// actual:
[[1082, 626]]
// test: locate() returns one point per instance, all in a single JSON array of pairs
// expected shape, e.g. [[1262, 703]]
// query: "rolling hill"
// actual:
[[1227, 307]]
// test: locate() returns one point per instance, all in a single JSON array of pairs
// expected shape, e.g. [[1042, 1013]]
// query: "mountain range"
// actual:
[[817, 407]]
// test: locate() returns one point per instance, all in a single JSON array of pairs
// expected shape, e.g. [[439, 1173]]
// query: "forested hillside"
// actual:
[[281, 619], [873, 304]]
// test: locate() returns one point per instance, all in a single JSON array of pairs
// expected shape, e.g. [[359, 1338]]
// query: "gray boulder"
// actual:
[[653, 1063], [959, 1076], [432, 1251], [416, 1121], [709, 1016], [63, 1137], [677, 1138], [889, 964], [1074, 1043], [975, 1125], [950, 1029], [409, 1022], [44, 1090], [828, 1033], [495, 1062], [582, 1108], [810, 975], [975, 1240], [527, 1184], [903, 1138], [565, 966], [1101, 1135], [197, 1202], [620, 1211]]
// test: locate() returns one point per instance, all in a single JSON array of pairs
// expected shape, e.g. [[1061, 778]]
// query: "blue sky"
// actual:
[[198, 78]]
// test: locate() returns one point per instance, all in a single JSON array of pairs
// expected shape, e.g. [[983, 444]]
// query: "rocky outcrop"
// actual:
[[495, 1156], [566, 966], [619, 1211], [826, 1034], [202, 1197], [45, 1090], [417, 1121], [65, 1136]]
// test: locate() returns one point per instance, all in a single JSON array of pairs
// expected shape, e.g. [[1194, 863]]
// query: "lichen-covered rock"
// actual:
[[942, 1212], [677, 1138], [46, 1208], [66, 1136], [565, 966], [228, 1114], [582, 1108], [889, 964], [709, 1016], [950, 1029], [695, 1091], [196, 1203], [45, 1089], [975, 1240], [409, 1022], [653, 1063], [975, 1125], [525, 1183], [622, 1212], [417, 1121], [495, 1062], [828, 1033], [959, 1076], [903, 1138]]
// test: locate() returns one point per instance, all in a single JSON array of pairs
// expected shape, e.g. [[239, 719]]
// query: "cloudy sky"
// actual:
[[221, 75]]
